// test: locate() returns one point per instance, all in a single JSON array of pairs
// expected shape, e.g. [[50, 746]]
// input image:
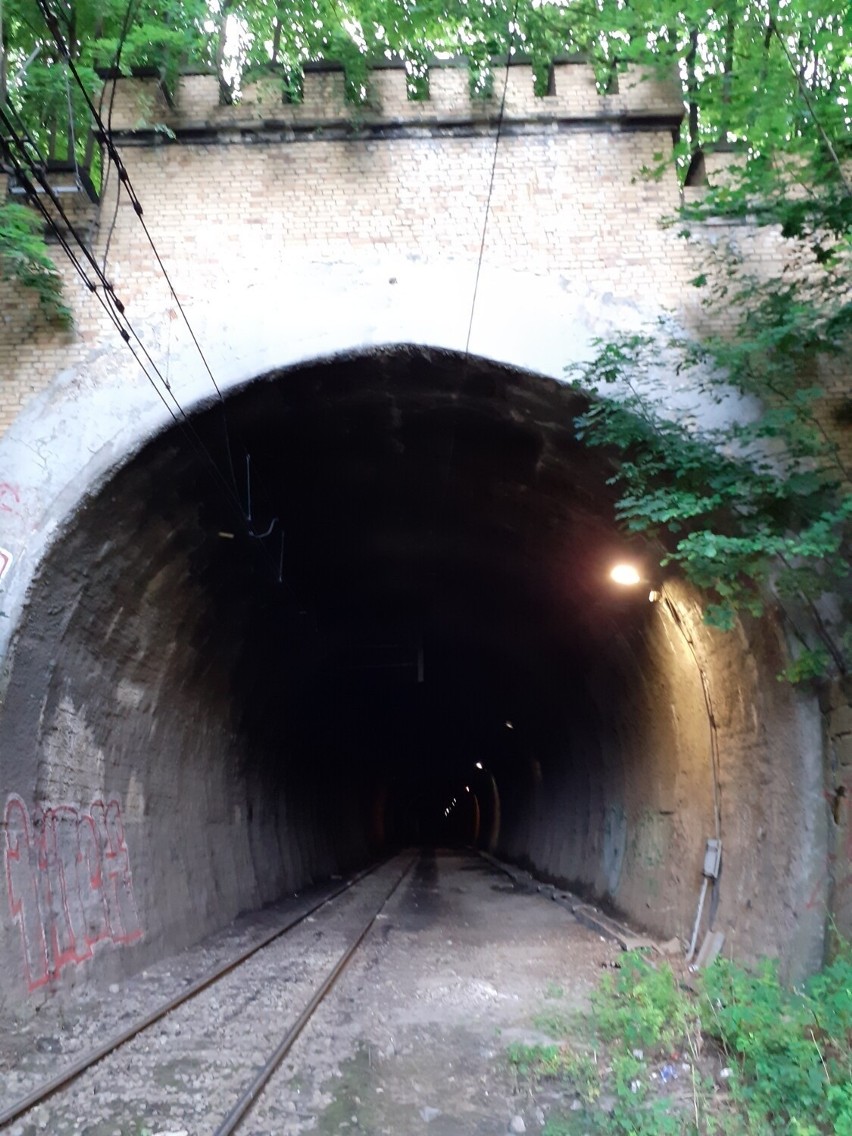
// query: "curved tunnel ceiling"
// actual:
[[443, 541], [445, 553], [444, 602]]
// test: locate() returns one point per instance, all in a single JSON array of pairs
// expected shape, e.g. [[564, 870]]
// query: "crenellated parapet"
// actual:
[[641, 98]]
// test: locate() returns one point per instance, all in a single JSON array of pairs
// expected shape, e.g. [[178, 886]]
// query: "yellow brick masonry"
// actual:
[[568, 204], [575, 94]]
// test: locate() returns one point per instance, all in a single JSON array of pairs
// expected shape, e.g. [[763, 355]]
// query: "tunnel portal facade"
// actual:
[[356, 594]]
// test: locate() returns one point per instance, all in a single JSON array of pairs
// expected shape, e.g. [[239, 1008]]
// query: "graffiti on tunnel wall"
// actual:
[[69, 884]]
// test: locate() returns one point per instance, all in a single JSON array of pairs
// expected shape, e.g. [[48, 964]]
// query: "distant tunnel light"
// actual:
[[478, 765], [625, 574]]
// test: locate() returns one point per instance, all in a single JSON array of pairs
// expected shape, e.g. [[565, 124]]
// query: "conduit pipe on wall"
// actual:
[[669, 606], [713, 849]]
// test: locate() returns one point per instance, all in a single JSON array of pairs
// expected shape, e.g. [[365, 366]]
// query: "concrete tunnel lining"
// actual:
[[252, 744]]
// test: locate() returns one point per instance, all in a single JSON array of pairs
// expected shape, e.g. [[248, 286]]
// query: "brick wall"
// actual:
[[250, 191]]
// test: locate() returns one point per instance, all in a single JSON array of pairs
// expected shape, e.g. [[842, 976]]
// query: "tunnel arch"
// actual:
[[99, 410], [446, 540]]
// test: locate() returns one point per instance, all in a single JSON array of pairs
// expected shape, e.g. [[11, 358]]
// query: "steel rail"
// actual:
[[250, 1094], [71, 1072]]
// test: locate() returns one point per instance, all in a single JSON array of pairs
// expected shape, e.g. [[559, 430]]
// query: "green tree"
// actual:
[[757, 511]]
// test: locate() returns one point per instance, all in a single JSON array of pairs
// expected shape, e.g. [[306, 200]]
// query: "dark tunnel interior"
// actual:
[[367, 604], [443, 543]]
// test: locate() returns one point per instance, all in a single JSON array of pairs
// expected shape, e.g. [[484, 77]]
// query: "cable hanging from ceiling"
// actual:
[[29, 168], [109, 301], [15, 152]]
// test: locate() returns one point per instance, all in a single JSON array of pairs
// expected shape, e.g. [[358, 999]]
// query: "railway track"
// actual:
[[380, 882]]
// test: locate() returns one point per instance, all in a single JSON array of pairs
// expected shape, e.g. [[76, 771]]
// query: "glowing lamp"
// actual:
[[625, 574]]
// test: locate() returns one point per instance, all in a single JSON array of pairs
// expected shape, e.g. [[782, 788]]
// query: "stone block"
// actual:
[[843, 750], [198, 97], [389, 95], [575, 88], [324, 95], [840, 721], [643, 90], [520, 94], [264, 97], [449, 91], [135, 103]]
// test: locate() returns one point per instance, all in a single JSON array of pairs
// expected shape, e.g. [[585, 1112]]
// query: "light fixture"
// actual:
[[478, 765], [625, 574], [509, 726], [467, 788]]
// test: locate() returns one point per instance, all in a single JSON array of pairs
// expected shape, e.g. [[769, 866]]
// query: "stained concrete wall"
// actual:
[[158, 779], [619, 803], [147, 812]]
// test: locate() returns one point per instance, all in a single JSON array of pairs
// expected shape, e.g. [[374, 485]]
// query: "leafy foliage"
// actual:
[[738, 1054], [770, 78], [540, 1062], [639, 1005], [791, 1050], [23, 258], [756, 506], [792, 53]]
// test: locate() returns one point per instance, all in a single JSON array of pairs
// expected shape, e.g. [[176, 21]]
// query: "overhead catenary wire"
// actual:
[[129, 16], [448, 468], [125, 182], [109, 301], [16, 153], [111, 312], [492, 177]]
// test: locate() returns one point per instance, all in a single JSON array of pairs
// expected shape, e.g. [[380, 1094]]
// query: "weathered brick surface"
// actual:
[[568, 202]]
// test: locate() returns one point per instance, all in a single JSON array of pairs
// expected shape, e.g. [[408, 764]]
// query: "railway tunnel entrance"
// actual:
[[414, 639]]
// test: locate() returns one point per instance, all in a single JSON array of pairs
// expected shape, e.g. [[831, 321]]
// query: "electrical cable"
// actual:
[[114, 310], [72, 137], [28, 187], [39, 174], [123, 175], [124, 180], [33, 195], [444, 492], [500, 117], [711, 714], [114, 69]]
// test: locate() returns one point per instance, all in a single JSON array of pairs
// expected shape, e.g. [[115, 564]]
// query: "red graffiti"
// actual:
[[69, 884], [10, 498]]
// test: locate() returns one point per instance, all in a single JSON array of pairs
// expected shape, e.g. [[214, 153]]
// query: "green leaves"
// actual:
[[757, 510], [752, 512], [23, 258], [790, 1050], [655, 1048], [770, 80]]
